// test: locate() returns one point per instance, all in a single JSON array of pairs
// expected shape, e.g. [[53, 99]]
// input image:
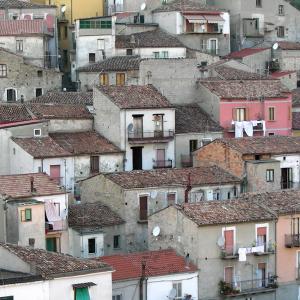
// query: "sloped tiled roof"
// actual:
[[229, 73], [115, 63], [23, 27], [200, 176], [185, 6], [191, 118], [49, 264], [59, 111], [224, 212], [19, 185], [135, 96], [235, 89], [263, 145], [279, 74], [85, 98], [89, 142], [6, 4], [148, 39], [14, 113], [157, 263], [89, 215], [289, 45], [246, 52]]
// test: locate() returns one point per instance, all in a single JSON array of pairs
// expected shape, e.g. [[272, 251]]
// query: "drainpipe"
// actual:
[[142, 282], [187, 190]]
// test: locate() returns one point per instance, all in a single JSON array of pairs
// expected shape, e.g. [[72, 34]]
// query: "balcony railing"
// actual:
[[186, 161], [229, 253], [157, 164], [287, 185], [247, 286], [55, 226], [140, 137], [292, 240]]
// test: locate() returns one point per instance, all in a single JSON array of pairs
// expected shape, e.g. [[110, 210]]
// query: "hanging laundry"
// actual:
[[248, 126], [242, 254], [239, 127]]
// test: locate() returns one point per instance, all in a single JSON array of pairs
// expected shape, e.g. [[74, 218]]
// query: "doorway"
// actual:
[[286, 178], [137, 158]]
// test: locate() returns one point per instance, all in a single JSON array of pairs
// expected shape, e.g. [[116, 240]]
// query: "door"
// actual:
[[51, 244], [55, 173], [262, 237], [286, 178], [120, 79], [228, 236], [298, 265], [261, 275], [158, 125], [143, 207], [11, 95], [137, 158], [228, 275], [94, 164], [213, 46], [138, 126], [160, 158]]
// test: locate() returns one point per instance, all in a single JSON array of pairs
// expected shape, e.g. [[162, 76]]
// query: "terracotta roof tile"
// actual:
[[289, 45], [23, 27], [191, 118], [14, 113], [85, 98], [246, 89], [224, 212], [228, 73], [90, 215], [49, 264], [6, 4], [201, 176], [135, 96], [59, 111], [88, 142], [157, 263], [148, 39], [115, 63], [19, 186], [246, 52], [263, 145]]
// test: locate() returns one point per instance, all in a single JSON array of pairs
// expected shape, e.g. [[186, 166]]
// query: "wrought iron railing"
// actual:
[[140, 135], [292, 240], [162, 164]]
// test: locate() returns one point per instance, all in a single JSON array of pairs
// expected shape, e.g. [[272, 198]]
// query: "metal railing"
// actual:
[[140, 135], [59, 226], [287, 185], [186, 161], [292, 240], [162, 164]]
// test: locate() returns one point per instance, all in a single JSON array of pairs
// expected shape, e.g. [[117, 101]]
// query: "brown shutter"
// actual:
[[234, 114], [247, 114]]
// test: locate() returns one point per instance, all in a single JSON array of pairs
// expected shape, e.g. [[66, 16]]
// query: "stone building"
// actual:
[[137, 194], [20, 81]]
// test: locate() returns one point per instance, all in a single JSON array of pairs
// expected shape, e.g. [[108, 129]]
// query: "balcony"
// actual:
[[149, 137], [255, 286], [55, 226], [292, 240], [229, 253], [161, 164], [186, 161]]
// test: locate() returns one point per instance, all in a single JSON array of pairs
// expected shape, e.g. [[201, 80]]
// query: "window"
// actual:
[[158, 120], [38, 92], [240, 114], [271, 113], [104, 79], [270, 175], [281, 10], [92, 57], [171, 198], [53, 244], [95, 24], [3, 71], [66, 32], [11, 95], [129, 52], [94, 164], [116, 241], [117, 297], [280, 31], [26, 215], [143, 208], [82, 293], [7, 298], [261, 236], [205, 142], [258, 3], [156, 54], [257, 157], [165, 54], [37, 132], [19, 45], [229, 237], [39, 73], [101, 44], [178, 288], [120, 79], [92, 245], [193, 145]]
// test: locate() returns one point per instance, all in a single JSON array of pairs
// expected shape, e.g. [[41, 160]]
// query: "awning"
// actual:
[[196, 19], [83, 285], [214, 19]]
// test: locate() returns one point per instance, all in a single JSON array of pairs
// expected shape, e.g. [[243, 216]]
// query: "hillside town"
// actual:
[[149, 149]]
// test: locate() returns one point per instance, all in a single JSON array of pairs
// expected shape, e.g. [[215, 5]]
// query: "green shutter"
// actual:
[[51, 244], [28, 214], [82, 294]]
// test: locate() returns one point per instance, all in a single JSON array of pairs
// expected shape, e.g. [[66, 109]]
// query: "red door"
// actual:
[[228, 274], [228, 235], [55, 172]]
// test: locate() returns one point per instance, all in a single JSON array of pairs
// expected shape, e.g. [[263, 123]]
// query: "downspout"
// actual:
[[125, 137], [142, 282]]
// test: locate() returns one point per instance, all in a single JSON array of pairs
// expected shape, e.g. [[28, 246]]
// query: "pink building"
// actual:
[[248, 107]]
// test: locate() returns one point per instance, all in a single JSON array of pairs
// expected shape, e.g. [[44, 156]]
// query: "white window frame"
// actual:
[[40, 130], [11, 88], [171, 192], [234, 235], [36, 89], [178, 282], [88, 252], [267, 238], [210, 42], [268, 177]]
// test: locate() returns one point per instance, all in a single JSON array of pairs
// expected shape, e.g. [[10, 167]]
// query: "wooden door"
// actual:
[[228, 274], [55, 173], [143, 208], [228, 235], [137, 158], [160, 158]]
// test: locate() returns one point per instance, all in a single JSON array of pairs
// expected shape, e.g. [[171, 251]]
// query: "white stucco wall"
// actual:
[[169, 21]]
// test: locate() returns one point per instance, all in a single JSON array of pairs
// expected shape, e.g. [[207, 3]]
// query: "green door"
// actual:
[[82, 294], [51, 244]]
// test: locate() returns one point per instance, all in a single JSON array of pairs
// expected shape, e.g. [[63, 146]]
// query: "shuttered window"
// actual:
[[94, 164], [171, 198], [82, 294], [104, 79], [120, 79], [271, 113]]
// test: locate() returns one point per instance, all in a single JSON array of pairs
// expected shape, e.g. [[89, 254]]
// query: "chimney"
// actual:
[[32, 189]]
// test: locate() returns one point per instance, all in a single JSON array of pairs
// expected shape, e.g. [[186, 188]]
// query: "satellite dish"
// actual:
[[221, 241], [63, 8], [143, 6], [275, 46], [153, 194], [156, 231], [130, 127], [172, 293]]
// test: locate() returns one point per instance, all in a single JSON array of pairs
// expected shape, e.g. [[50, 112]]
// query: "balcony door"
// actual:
[[137, 158], [286, 178], [158, 125], [229, 241], [55, 173], [138, 126], [261, 275], [143, 208], [160, 158]]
